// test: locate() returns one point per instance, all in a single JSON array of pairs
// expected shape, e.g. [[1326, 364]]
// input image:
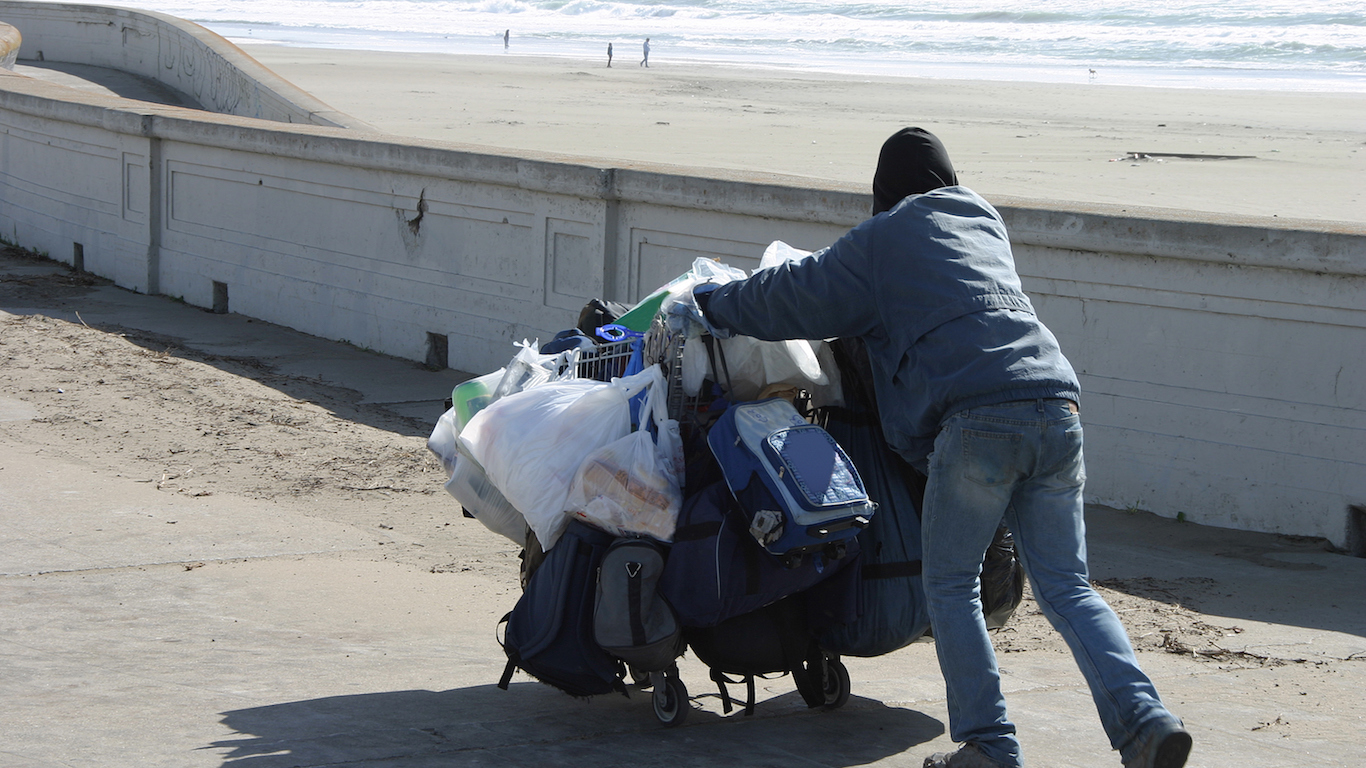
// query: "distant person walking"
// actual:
[[646, 61], [506, 34], [609, 55]]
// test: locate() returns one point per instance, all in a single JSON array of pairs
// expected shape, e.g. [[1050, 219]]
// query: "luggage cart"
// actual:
[[665, 346], [606, 361]]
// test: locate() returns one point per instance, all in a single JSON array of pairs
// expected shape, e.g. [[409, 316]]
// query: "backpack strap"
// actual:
[[713, 350], [633, 601], [507, 673], [697, 531], [809, 675], [720, 679], [891, 570], [727, 703], [512, 660]]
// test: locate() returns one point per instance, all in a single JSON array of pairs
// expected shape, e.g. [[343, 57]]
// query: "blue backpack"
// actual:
[[797, 487], [715, 570], [891, 597], [549, 632]]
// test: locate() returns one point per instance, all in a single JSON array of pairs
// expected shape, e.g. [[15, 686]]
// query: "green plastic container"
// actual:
[[470, 397], [641, 315]]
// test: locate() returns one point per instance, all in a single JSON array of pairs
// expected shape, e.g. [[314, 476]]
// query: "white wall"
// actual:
[[1221, 361], [174, 52], [1222, 365]]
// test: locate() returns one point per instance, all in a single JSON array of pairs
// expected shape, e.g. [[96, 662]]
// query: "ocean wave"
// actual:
[[1310, 36]]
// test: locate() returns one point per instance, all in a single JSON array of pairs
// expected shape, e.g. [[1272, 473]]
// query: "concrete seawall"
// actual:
[[1221, 360], [178, 54]]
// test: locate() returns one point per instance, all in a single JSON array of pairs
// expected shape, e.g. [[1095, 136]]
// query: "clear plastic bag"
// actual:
[[779, 252], [529, 368], [755, 365], [632, 486], [470, 485], [703, 271], [532, 443], [443, 440]]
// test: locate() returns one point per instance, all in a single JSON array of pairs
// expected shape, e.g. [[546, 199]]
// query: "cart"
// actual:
[[665, 345]]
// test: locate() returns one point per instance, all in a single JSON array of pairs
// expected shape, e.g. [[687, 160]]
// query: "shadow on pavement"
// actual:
[[533, 725]]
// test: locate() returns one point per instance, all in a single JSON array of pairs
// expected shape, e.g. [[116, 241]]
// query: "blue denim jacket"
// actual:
[[930, 286]]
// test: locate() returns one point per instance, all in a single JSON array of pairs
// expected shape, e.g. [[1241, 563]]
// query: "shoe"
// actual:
[[1167, 746], [967, 756]]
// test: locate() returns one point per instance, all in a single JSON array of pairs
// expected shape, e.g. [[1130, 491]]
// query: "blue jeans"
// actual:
[[1021, 462]]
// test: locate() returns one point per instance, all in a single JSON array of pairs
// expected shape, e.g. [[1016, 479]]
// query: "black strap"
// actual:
[[697, 531], [512, 655], [749, 690], [720, 679], [752, 569], [810, 677], [714, 349], [891, 570], [633, 583]]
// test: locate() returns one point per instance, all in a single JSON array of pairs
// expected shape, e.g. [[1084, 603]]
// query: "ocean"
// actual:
[[1298, 45]]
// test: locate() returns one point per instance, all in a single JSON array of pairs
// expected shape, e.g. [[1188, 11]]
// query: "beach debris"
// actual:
[[1158, 157]]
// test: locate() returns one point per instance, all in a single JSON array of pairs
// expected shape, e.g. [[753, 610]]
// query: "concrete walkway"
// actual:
[[106, 80], [247, 634]]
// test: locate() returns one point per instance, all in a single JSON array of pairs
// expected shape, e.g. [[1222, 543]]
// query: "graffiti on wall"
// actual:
[[195, 69]]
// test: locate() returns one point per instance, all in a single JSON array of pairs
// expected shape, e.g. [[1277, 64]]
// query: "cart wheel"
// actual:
[[836, 684], [640, 679], [671, 702]]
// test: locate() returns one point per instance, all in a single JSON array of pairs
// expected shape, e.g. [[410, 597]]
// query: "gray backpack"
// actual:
[[630, 620]]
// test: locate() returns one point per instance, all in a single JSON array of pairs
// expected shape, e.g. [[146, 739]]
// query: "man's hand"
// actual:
[[694, 311]]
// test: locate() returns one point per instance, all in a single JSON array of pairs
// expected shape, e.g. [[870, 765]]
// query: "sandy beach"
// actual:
[[1250, 153]]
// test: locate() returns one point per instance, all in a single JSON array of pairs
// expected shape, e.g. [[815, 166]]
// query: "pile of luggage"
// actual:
[[671, 491]]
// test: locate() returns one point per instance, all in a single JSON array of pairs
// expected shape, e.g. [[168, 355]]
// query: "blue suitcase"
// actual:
[[797, 486]]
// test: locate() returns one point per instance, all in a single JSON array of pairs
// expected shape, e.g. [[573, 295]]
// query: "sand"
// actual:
[[1294, 155], [237, 427]]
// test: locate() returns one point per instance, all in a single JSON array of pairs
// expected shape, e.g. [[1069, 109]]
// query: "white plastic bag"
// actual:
[[703, 270], [442, 440], [696, 367], [532, 443], [756, 366], [470, 486], [669, 449], [631, 486], [778, 252], [529, 368]]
